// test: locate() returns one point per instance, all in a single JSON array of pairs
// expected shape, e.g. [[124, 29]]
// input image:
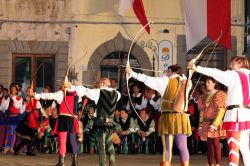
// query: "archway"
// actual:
[[117, 44]]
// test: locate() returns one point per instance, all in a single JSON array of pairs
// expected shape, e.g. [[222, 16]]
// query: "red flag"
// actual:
[[138, 9], [207, 18]]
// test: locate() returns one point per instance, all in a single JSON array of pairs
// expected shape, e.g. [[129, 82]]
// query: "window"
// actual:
[[215, 56], [33, 66], [113, 66], [114, 62]]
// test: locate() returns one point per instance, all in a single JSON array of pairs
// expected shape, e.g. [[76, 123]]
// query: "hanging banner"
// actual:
[[165, 56]]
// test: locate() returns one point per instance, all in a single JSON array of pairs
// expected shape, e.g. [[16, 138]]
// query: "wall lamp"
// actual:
[[166, 31]]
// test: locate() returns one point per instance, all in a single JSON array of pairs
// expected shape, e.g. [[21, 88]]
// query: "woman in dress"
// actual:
[[212, 109]]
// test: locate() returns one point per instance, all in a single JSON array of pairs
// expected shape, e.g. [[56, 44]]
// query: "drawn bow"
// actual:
[[66, 79], [34, 76], [191, 72], [128, 65]]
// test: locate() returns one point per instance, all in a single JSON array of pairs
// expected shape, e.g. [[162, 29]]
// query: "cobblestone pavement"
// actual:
[[92, 160]]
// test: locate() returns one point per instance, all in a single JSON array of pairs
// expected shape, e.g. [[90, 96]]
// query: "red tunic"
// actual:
[[12, 108], [71, 99], [34, 115], [69, 109]]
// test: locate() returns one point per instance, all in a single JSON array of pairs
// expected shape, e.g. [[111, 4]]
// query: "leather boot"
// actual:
[[74, 160], [60, 161], [165, 163], [185, 163]]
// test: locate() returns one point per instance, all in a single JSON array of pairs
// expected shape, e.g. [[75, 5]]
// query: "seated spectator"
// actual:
[[89, 135], [50, 139], [136, 101], [114, 84], [126, 132], [145, 132], [117, 115]]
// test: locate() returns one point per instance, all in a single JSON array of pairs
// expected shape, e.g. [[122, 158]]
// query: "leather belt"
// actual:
[[174, 112], [230, 107], [168, 112]]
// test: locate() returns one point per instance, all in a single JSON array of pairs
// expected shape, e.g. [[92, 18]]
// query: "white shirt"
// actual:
[[157, 83], [93, 94], [57, 96], [230, 79], [137, 106], [38, 105], [155, 104], [5, 103]]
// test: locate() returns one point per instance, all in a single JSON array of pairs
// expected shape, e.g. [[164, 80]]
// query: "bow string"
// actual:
[[128, 65], [191, 72], [66, 79]]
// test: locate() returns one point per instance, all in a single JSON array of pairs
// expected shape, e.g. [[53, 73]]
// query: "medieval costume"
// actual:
[[67, 124], [32, 126], [212, 108], [3, 101], [89, 134], [136, 101], [47, 106], [127, 140], [11, 106], [147, 142], [237, 117], [174, 121], [105, 99], [151, 102]]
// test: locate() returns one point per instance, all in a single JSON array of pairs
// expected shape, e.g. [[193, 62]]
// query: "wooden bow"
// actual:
[[66, 79], [128, 65], [191, 72], [34, 76]]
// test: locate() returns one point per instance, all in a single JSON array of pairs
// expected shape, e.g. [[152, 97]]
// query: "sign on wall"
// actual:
[[165, 56]]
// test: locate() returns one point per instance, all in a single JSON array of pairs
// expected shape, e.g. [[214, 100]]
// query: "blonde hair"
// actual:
[[242, 61]]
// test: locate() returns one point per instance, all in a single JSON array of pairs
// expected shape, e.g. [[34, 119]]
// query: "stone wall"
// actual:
[[7, 48]]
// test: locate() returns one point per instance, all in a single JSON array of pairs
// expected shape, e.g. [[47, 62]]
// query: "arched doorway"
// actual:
[[113, 67], [117, 49]]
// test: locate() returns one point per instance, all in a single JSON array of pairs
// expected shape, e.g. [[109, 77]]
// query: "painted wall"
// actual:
[[91, 30], [39, 38], [167, 12], [34, 10]]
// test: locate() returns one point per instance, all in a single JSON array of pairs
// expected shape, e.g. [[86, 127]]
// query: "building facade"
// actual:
[[55, 32]]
